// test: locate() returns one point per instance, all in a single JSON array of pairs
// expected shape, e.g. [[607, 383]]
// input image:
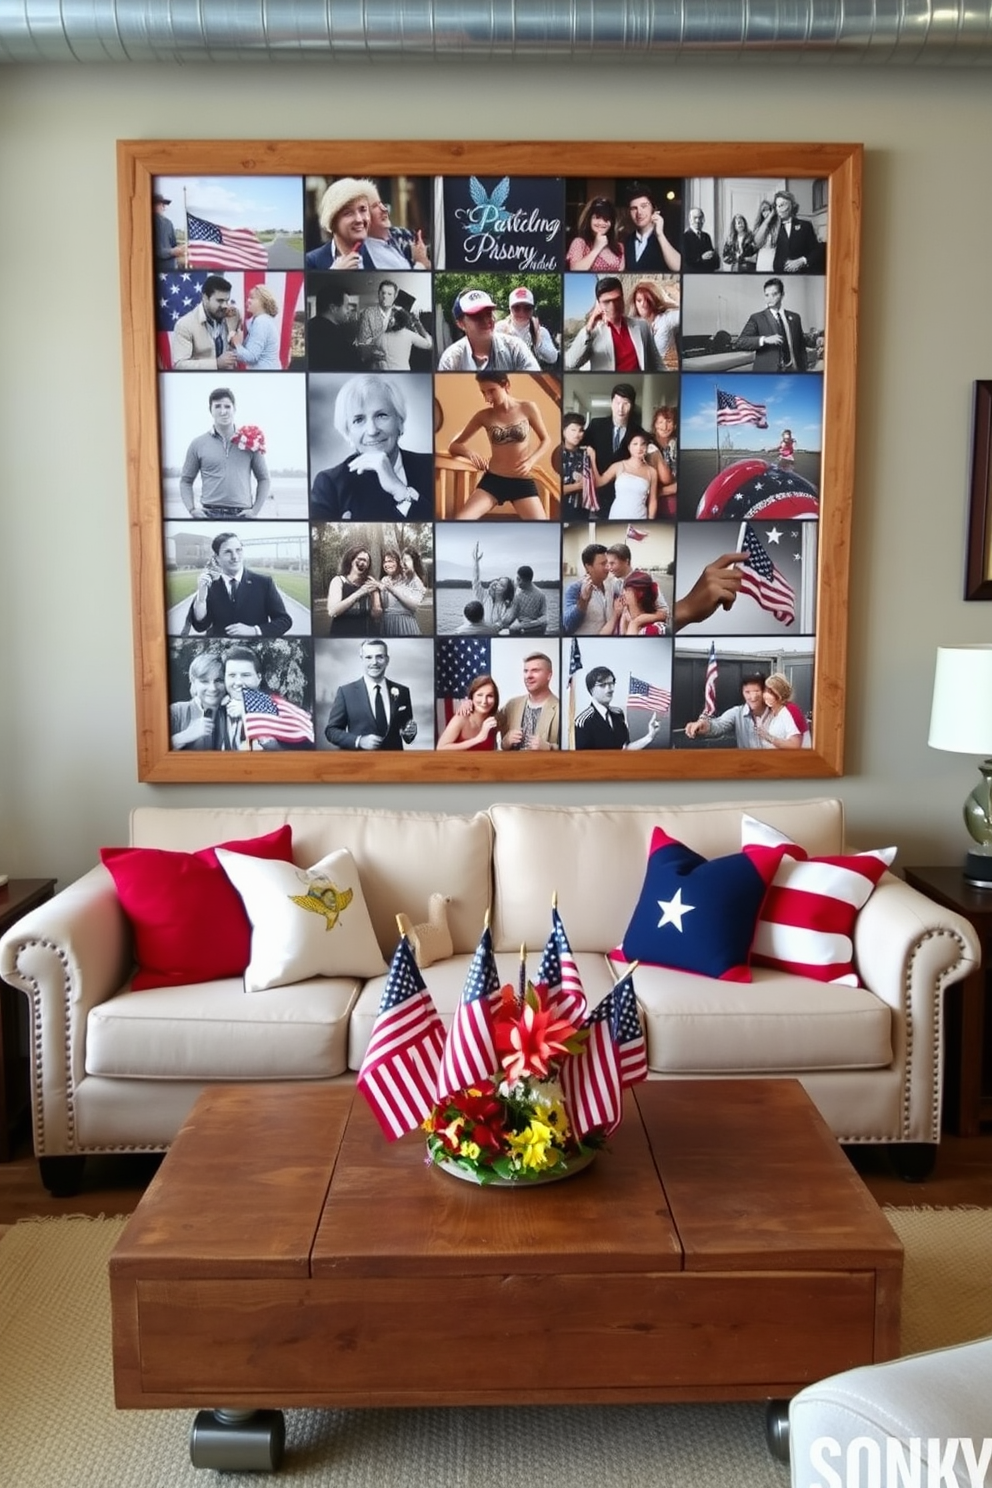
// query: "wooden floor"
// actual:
[[113, 1185]]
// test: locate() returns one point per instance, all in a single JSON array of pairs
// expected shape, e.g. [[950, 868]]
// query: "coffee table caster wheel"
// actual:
[[777, 1429], [237, 1440]]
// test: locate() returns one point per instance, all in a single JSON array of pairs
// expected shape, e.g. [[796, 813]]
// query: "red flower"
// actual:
[[250, 437], [528, 1040]]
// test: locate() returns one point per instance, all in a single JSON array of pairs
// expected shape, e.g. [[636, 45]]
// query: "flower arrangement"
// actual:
[[515, 1125], [250, 437]]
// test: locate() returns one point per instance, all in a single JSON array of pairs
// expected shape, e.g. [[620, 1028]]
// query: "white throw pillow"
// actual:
[[305, 922]]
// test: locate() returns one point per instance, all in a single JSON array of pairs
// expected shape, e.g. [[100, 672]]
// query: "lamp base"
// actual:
[[978, 869]]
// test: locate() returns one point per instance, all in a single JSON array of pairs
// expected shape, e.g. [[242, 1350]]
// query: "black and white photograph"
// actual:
[[619, 695], [226, 580], [233, 449], [750, 447], [501, 580], [357, 222], [745, 324], [721, 699], [240, 695], [760, 576], [374, 694], [755, 225], [373, 578], [371, 443], [369, 322]]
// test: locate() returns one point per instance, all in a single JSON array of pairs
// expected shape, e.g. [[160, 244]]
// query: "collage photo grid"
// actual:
[[490, 464]]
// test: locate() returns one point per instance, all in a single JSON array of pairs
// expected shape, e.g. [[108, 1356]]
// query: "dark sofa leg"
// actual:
[[62, 1176], [913, 1161]]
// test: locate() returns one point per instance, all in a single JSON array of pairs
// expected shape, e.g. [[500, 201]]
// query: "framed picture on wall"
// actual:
[[489, 461]]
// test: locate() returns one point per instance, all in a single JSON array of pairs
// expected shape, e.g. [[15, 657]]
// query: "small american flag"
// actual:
[[561, 975], [628, 1036], [399, 1071], [210, 246], [731, 408], [762, 580], [469, 1054], [268, 716], [635, 534], [590, 500], [641, 694], [709, 686], [574, 659], [590, 1080]]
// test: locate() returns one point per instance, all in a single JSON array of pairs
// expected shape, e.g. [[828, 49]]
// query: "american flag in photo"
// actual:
[[561, 975], [268, 716], [469, 1053], [762, 580], [458, 660], [211, 246], [178, 293], [574, 660], [628, 1036], [590, 1080], [398, 1076], [641, 694], [731, 408], [709, 685], [635, 534]]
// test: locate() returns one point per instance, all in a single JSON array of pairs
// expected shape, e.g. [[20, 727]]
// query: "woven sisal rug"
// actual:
[[59, 1428]]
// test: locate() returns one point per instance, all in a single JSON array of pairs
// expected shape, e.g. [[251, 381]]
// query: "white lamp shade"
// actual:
[[961, 714]]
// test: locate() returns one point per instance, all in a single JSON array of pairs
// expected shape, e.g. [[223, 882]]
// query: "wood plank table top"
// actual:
[[723, 1247]]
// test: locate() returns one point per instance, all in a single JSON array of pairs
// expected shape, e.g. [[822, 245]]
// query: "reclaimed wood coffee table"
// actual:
[[286, 1255]]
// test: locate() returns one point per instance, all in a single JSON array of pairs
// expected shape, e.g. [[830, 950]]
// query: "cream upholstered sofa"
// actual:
[[115, 1070]]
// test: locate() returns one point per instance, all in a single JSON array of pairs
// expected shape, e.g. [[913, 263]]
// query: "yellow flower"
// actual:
[[470, 1150], [534, 1146], [552, 1113]]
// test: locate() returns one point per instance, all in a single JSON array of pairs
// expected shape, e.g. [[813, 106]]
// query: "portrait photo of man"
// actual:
[[366, 706]]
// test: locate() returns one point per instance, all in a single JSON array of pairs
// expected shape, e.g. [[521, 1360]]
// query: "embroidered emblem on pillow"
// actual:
[[807, 923], [323, 898]]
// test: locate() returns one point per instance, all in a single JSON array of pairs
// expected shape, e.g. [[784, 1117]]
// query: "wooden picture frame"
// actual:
[[837, 171], [978, 572]]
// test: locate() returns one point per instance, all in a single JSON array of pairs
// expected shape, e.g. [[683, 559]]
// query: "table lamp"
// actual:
[[961, 720]]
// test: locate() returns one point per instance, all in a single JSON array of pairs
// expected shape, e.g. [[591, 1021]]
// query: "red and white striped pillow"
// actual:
[[806, 924]]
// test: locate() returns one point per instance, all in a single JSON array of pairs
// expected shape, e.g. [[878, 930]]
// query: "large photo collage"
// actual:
[[490, 463]]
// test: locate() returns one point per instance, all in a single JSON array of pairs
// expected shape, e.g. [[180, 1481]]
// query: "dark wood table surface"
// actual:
[[286, 1254]]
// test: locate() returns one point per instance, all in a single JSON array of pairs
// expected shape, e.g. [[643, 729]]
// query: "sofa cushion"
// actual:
[[807, 922], [445, 981], [189, 923], [305, 922], [214, 1032], [696, 914], [776, 1023]]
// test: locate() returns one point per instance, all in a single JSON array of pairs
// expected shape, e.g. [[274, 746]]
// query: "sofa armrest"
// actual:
[[67, 956], [907, 950]]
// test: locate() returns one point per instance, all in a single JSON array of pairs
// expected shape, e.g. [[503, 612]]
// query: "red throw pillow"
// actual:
[[189, 922]]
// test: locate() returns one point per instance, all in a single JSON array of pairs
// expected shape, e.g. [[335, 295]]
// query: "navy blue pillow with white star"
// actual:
[[696, 914]]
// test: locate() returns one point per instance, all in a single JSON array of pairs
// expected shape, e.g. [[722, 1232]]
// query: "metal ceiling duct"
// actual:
[[947, 32]]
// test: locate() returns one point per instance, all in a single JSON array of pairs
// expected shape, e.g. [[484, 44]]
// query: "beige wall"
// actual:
[[67, 755]]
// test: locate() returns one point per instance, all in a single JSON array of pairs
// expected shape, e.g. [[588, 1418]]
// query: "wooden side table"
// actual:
[[16, 898], [948, 886]]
